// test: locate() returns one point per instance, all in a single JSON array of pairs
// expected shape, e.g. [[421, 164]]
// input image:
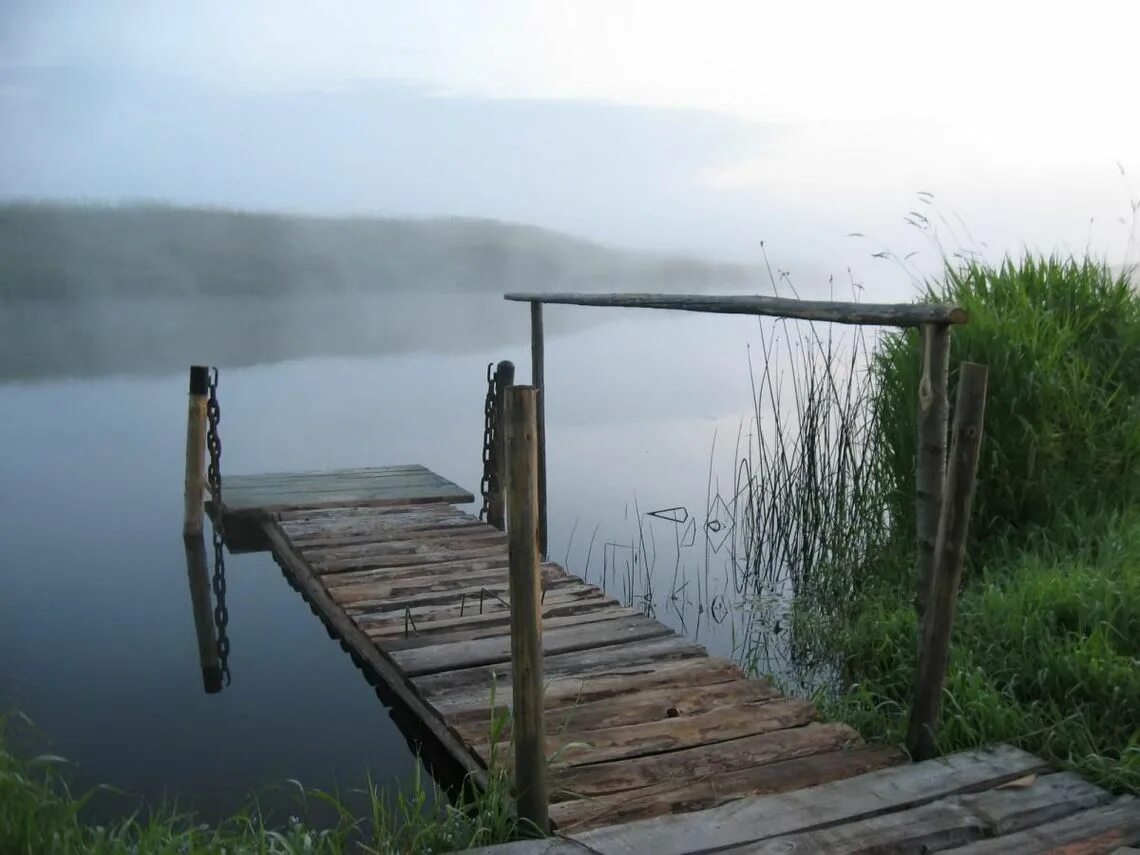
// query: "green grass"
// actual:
[[1046, 644], [1062, 433], [1045, 655], [40, 814]]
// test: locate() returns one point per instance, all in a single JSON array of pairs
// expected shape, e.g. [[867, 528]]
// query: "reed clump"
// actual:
[[1046, 645]]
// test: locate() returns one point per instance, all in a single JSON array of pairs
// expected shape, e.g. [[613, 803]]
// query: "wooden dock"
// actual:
[[641, 722], [656, 746]]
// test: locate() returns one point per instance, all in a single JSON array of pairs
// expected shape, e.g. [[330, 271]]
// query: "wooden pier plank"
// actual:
[[749, 820], [402, 485], [1104, 829], [473, 703], [490, 651], [591, 744], [566, 713], [710, 791], [474, 628], [587, 781]]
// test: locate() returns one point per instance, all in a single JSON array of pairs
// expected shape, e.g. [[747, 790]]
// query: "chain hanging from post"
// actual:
[[488, 485], [221, 613], [214, 442], [214, 480]]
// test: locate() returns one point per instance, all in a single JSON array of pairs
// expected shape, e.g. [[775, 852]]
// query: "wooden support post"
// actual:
[[202, 605], [195, 486], [930, 468], [496, 502], [538, 380], [527, 725], [950, 553]]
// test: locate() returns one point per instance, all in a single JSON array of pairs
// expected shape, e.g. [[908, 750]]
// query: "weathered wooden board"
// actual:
[[949, 822], [438, 620], [723, 724], [676, 796], [562, 600], [422, 637], [1103, 829], [390, 485], [630, 774], [490, 651], [470, 593], [749, 820], [475, 537], [437, 688], [380, 577], [567, 714]]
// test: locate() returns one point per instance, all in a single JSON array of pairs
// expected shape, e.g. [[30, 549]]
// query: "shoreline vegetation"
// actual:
[[1045, 652], [40, 814]]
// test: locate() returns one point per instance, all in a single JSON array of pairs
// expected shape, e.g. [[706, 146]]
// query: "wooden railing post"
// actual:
[[949, 555], [201, 603], [930, 463], [496, 501], [538, 380], [527, 727], [195, 485]]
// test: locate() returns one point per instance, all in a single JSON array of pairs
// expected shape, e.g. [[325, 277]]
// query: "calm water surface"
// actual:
[[97, 642]]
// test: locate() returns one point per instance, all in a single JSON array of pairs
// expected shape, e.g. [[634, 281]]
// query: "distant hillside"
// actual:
[[59, 253], [87, 291]]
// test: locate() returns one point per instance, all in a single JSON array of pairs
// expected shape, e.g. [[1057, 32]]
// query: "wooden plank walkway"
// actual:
[[1000, 801], [657, 746]]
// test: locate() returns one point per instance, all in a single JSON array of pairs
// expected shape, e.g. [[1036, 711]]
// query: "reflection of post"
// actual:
[[198, 572]]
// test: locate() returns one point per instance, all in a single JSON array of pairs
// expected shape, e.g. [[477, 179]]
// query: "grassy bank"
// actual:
[[40, 814], [1046, 645], [1046, 656]]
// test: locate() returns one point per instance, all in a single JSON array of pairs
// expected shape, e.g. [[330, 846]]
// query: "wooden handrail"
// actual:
[[870, 314]]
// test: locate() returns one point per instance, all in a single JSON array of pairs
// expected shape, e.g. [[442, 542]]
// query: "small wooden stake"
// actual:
[[496, 502], [202, 605], [949, 554], [195, 486], [528, 729], [538, 380], [930, 469]]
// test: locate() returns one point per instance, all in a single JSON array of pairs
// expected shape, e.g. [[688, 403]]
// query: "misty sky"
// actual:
[[701, 127]]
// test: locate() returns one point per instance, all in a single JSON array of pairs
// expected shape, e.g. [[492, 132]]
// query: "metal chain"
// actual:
[[214, 478], [221, 613], [214, 440], [488, 485]]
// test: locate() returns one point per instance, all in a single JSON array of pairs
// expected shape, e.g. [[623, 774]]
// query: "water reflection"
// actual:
[[210, 615], [202, 606]]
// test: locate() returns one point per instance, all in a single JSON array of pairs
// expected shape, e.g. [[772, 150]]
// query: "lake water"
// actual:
[[646, 411]]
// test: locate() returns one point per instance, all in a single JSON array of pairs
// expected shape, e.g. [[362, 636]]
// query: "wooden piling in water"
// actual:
[[195, 484], [496, 501], [930, 463], [949, 555], [201, 602], [538, 380], [528, 728]]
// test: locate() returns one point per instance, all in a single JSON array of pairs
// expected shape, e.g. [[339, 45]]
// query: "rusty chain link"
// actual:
[[214, 479], [214, 441], [221, 613], [488, 485]]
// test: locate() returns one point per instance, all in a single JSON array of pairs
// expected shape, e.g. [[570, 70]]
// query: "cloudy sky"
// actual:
[[705, 127]]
